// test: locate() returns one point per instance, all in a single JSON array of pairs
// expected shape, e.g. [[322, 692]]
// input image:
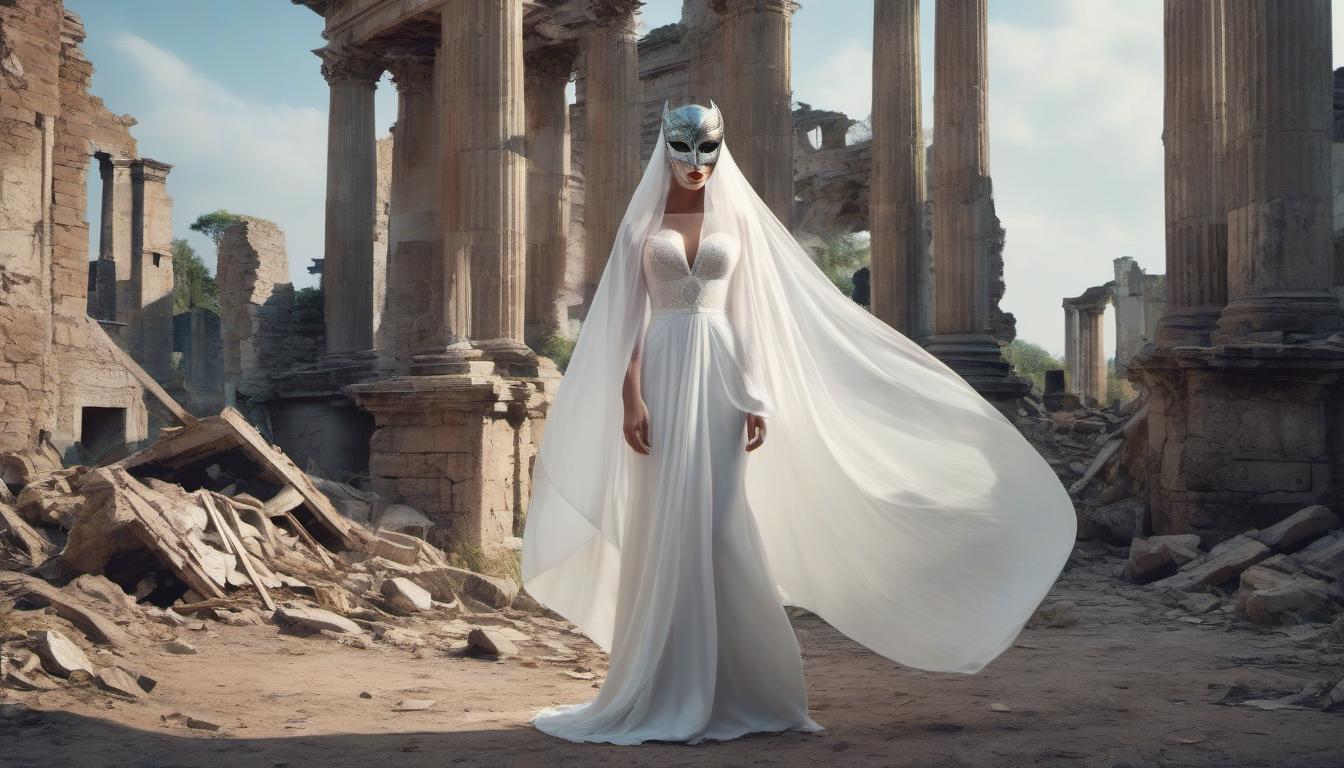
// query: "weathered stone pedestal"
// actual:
[[978, 359], [311, 417], [1241, 435], [460, 447]]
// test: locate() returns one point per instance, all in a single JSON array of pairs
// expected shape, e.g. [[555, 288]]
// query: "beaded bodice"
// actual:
[[675, 285]]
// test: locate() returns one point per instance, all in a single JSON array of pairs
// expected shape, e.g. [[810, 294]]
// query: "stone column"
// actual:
[[113, 272], [611, 158], [758, 106], [483, 175], [964, 225], [1071, 328], [1193, 138], [1279, 195], [347, 272], [548, 70], [896, 197], [151, 342], [414, 265], [1092, 337]]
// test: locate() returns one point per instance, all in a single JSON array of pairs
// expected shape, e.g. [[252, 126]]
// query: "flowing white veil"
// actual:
[[891, 498]]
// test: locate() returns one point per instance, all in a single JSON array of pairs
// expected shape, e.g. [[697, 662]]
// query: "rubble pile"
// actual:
[[1290, 573], [1084, 447], [102, 564]]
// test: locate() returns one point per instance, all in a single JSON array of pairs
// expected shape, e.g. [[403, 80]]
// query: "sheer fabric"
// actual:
[[890, 498]]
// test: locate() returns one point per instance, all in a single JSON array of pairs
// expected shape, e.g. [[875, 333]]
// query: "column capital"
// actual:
[[553, 62], [738, 7], [615, 13], [348, 64], [150, 170], [411, 72]]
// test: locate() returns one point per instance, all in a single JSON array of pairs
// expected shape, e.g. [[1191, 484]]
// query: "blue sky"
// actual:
[[230, 94]]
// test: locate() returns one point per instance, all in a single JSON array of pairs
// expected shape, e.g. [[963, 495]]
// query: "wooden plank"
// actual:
[[231, 542], [309, 540], [37, 546], [179, 413], [160, 536], [282, 502], [97, 627], [280, 465]]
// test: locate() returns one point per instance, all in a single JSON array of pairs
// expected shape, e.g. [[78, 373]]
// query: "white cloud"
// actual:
[[842, 81], [229, 151], [1075, 125]]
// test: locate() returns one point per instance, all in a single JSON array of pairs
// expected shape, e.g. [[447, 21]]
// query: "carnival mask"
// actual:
[[693, 135]]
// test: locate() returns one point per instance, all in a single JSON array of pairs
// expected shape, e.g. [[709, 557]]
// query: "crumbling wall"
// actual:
[[54, 364], [255, 297], [31, 99]]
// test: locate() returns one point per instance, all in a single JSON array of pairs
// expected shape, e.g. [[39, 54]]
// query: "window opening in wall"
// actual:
[[102, 430]]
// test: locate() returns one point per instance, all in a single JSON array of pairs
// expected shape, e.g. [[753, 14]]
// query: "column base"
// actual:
[[1277, 317], [350, 366], [1190, 326], [459, 448], [457, 358], [1239, 436], [977, 358]]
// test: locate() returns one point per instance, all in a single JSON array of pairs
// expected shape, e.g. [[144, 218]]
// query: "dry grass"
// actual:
[[500, 563]]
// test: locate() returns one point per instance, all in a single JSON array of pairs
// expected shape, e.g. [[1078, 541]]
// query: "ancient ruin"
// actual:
[[331, 482]]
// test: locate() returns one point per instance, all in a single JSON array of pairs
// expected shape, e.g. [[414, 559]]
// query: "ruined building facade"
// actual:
[[61, 380], [1243, 381]]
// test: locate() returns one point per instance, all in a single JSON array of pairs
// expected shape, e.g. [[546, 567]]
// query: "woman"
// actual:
[[890, 498]]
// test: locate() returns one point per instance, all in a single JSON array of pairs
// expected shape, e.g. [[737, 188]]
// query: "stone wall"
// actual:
[[263, 330], [55, 367]]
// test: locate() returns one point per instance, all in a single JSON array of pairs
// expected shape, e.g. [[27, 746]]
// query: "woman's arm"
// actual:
[[636, 426]]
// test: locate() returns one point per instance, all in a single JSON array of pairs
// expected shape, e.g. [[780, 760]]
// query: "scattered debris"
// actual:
[[195, 723], [60, 657], [309, 620], [406, 595], [490, 642]]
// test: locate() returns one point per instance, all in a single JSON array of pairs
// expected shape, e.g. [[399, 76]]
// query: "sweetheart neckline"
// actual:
[[685, 258]]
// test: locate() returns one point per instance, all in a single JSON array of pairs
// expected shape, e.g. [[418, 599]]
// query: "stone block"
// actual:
[[1324, 558], [1298, 529], [1222, 564], [1292, 600]]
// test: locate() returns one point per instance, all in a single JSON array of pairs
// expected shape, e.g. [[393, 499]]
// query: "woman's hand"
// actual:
[[755, 431], [637, 425]]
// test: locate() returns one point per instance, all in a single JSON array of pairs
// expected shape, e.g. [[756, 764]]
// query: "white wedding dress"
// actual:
[[890, 498], [703, 648]]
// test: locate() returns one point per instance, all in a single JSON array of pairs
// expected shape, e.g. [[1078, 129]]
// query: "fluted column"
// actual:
[[1193, 138], [758, 106], [347, 270], [960, 165], [548, 71], [484, 175], [1092, 338], [1071, 356], [414, 255], [896, 196], [1279, 193], [964, 224], [611, 157]]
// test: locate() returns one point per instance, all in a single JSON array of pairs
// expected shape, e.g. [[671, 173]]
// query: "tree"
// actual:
[[1030, 361], [212, 225], [193, 286], [843, 256]]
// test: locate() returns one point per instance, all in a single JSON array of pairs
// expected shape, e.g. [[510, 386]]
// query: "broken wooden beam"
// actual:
[[96, 626]]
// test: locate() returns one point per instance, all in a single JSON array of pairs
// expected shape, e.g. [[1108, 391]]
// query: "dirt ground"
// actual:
[[1114, 678]]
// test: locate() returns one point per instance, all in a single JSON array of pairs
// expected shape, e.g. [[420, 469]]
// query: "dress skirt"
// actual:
[[703, 648]]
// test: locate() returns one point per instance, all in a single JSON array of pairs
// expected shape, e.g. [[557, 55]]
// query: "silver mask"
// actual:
[[693, 133]]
